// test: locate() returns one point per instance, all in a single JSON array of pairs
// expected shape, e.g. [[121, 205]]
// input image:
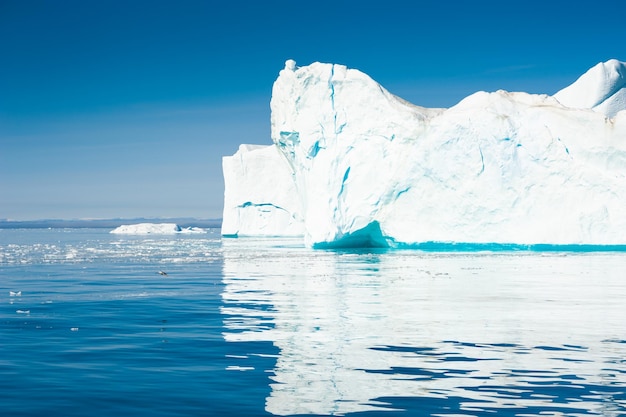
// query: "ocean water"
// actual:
[[261, 327]]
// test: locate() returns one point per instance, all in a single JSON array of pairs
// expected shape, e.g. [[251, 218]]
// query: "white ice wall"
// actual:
[[260, 198]]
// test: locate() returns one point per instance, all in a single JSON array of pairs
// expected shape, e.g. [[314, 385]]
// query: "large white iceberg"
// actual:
[[354, 165]]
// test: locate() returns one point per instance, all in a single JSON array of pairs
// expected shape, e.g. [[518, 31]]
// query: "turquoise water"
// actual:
[[251, 327]]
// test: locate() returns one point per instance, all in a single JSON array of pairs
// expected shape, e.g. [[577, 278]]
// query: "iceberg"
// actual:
[[353, 165], [154, 229]]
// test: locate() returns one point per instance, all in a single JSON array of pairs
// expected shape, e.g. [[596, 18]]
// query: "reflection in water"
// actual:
[[437, 333]]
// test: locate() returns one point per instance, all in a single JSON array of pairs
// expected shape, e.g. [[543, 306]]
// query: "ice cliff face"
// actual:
[[355, 165], [260, 198]]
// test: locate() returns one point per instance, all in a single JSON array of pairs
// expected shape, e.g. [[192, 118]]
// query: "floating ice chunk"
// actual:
[[155, 228], [239, 368], [192, 230]]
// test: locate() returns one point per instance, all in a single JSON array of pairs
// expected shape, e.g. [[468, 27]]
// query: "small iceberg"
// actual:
[[155, 229]]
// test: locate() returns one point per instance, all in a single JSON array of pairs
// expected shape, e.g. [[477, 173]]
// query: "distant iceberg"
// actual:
[[154, 229], [354, 165]]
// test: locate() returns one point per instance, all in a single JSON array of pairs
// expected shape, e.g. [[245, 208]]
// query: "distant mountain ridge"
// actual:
[[105, 223]]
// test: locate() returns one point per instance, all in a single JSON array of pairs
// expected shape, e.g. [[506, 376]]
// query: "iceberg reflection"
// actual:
[[440, 333]]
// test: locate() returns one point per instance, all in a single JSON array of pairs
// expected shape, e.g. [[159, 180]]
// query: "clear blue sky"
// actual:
[[125, 108]]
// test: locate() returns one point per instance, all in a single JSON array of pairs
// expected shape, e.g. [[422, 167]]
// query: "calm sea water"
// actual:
[[88, 327]]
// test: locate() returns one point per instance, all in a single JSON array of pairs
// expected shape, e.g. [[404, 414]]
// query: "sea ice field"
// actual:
[[193, 324]]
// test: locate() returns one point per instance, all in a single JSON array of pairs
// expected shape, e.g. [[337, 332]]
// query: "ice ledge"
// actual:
[[372, 237]]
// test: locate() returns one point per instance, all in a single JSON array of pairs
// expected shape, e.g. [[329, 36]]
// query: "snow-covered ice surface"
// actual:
[[358, 166], [154, 228]]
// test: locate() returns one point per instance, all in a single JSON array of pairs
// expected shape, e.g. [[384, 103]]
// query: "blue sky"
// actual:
[[125, 108]]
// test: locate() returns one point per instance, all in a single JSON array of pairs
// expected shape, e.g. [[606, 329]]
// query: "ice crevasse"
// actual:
[[353, 165]]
